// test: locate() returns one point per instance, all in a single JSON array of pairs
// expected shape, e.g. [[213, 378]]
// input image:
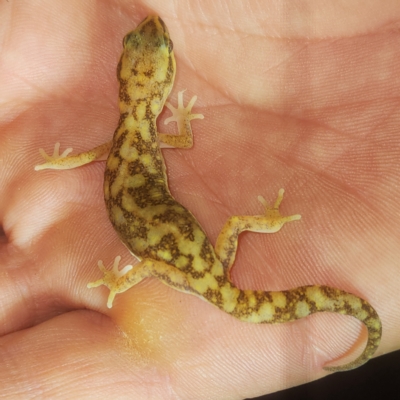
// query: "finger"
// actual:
[[72, 353]]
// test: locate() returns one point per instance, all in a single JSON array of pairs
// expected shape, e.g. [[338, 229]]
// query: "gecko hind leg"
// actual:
[[119, 281], [271, 222]]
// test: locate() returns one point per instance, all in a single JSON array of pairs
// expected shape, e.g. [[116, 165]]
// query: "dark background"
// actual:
[[378, 379]]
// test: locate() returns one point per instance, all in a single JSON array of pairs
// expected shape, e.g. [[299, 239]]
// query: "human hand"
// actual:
[[308, 104]]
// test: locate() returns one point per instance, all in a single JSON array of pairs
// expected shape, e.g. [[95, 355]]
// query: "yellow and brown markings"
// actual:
[[165, 236]]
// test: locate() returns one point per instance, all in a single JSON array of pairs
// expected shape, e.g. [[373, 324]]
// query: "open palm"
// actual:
[[301, 99]]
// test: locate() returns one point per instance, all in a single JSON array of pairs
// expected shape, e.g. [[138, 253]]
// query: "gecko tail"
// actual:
[[335, 300], [290, 305]]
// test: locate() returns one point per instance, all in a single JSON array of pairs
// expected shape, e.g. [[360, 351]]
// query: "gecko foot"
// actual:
[[181, 113], [272, 218], [110, 279], [52, 161]]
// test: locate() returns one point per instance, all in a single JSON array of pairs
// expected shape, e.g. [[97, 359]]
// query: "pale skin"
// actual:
[[311, 143]]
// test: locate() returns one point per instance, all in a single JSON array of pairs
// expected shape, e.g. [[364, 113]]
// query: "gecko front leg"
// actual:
[[63, 161], [182, 116]]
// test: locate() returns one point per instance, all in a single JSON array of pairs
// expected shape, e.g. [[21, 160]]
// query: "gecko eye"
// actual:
[[126, 38], [132, 39]]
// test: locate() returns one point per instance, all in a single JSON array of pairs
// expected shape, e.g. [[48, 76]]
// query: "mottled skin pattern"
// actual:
[[163, 235]]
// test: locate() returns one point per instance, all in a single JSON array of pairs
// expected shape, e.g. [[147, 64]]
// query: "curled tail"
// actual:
[[289, 305]]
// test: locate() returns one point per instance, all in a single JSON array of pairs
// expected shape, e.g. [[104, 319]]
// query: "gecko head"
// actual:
[[147, 65]]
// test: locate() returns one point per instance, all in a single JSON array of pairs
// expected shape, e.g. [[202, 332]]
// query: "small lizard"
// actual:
[[162, 234]]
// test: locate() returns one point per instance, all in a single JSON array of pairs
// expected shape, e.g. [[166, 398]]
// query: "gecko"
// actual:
[[164, 236]]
